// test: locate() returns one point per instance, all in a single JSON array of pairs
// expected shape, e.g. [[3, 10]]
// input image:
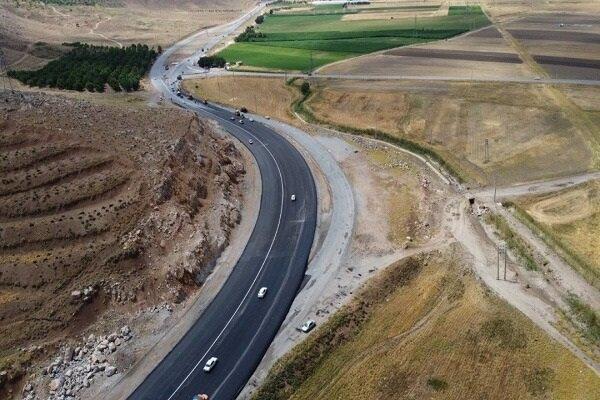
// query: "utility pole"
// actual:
[[498, 263], [487, 151], [495, 188], [505, 256]]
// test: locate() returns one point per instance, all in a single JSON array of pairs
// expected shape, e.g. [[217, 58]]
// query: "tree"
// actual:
[[260, 19], [305, 88], [208, 62]]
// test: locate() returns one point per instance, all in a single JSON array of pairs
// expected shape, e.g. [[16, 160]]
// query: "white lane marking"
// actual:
[[250, 289], [273, 304]]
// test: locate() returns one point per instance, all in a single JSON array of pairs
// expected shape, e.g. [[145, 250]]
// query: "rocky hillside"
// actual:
[[103, 211]]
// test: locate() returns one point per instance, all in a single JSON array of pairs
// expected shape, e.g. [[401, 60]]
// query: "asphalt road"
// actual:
[[238, 327]]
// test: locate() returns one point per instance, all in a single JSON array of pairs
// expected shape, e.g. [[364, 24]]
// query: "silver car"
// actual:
[[210, 364]]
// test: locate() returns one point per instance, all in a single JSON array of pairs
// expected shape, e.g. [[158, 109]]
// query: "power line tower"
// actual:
[[6, 83]]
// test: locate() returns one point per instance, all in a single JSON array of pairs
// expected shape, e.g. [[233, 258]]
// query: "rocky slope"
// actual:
[[105, 212]]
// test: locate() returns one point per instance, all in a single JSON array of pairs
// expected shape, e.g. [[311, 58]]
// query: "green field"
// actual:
[[306, 40]]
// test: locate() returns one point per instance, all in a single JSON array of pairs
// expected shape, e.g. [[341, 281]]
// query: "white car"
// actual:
[[267, 117], [251, 120], [262, 292], [250, 141], [241, 121], [308, 326], [293, 197], [210, 364]]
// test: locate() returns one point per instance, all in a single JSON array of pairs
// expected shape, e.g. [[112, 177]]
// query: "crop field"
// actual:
[[481, 54], [399, 338], [570, 219], [508, 133], [566, 45], [306, 40]]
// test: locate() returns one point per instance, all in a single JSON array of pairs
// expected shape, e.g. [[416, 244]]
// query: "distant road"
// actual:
[[192, 73]]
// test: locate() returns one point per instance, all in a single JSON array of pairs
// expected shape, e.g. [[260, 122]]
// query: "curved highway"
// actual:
[[238, 327]]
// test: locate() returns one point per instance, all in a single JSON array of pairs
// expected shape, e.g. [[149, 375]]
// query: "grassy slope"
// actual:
[[425, 328], [291, 40], [576, 239]]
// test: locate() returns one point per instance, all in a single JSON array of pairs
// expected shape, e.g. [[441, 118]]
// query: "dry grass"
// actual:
[[265, 96], [572, 219], [402, 195], [147, 22], [528, 137], [437, 334]]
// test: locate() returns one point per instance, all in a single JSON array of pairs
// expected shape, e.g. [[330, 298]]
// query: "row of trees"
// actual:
[[211, 62], [88, 67], [249, 34]]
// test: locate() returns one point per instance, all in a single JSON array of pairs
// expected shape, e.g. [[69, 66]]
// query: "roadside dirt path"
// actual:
[[536, 187]]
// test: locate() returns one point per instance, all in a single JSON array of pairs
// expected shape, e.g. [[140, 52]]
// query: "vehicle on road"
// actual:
[[232, 118], [262, 292], [251, 120], [166, 67], [200, 397], [242, 121], [250, 141], [237, 113], [210, 364], [293, 198], [267, 117], [308, 326]]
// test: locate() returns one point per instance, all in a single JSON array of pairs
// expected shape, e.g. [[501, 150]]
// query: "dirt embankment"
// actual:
[[104, 212]]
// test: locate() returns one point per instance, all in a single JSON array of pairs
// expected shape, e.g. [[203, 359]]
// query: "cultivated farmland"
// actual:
[[305, 40]]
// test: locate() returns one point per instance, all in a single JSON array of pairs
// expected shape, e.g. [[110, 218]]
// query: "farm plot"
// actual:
[[482, 54], [565, 45], [307, 40]]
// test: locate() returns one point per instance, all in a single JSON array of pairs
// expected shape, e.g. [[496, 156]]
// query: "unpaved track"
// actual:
[[535, 187]]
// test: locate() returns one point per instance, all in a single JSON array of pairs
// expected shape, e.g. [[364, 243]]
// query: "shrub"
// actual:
[[305, 88], [211, 62]]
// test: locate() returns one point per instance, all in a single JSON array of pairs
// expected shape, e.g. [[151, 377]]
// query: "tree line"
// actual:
[[88, 67], [208, 62]]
